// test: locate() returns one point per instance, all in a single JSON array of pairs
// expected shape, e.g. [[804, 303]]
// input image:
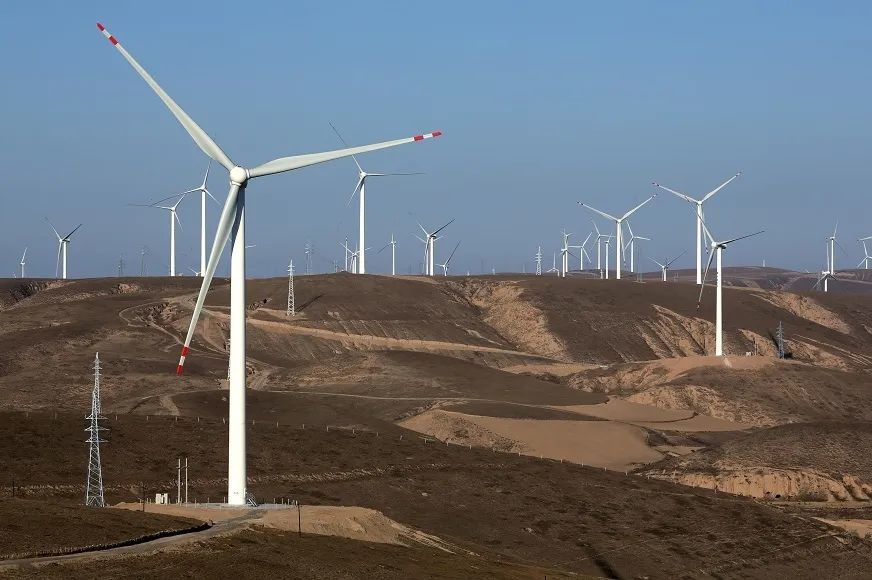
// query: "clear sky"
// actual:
[[541, 104]]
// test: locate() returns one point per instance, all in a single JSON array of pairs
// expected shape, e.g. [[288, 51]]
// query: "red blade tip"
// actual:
[[100, 27]]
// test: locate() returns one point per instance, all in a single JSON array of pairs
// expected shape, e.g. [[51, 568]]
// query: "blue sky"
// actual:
[[541, 105]]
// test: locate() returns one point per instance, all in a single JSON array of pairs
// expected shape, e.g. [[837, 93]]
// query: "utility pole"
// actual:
[[186, 480], [120, 266], [309, 251], [291, 311], [539, 262], [179, 482], [94, 484]]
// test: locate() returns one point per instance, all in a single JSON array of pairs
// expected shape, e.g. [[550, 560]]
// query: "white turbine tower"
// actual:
[[445, 264], [664, 267], [632, 246], [360, 190], [232, 224], [716, 249], [564, 255], [619, 248], [63, 242], [700, 217], [24, 255], [393, 245]]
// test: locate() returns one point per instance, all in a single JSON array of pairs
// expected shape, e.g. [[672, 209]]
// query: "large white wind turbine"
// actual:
[[700, 217], [664, 267], [716, 249], [63, 242], [360, 190], [619, 248], [582, 252], [24, 255], [445, 264], [231, 224]]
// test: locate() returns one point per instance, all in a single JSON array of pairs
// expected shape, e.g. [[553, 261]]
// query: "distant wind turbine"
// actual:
[[619, 248], [665, 265], [63, 242], [445, 264], [23, 256]]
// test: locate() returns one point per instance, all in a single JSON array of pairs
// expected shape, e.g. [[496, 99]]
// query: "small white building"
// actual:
[[162, 498]]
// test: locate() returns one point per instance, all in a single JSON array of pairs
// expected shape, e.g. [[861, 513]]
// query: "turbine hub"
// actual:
[[238, 175]]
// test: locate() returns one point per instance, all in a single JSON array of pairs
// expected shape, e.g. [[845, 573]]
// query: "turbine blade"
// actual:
[[356, 188], [679, 194], [53, 229], [203, 141], [602, 213], [58, 262], [741, 238], [210, 195], [635, 209], [341, 138], [707, 232], [720, 187], [297, 161], [587, 239], [669, 263], [394, 174], [206, 177], [67, 237], [443, 227], [222, 233], [452, 254], [658, 263], [704, 278], [176, 215]]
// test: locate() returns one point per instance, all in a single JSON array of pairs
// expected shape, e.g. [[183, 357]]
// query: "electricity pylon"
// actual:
[[291, 311], [94, 485]]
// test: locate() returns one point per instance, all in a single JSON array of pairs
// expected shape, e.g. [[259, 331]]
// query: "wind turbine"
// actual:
[[553, 267], [360, 189], [393, 245], [564, 255], [665, 266], [63, 242], [24, 255], [632, 245], [599, 238], [830, 272], [174, 217], [864, 262], [430, 248], [619, 248], [232, 224], [700, 217], [717, 248], [583, 252], [444, 265]]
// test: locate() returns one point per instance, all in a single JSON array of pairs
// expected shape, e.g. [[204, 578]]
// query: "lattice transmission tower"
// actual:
[[292, 308], [94, 485]]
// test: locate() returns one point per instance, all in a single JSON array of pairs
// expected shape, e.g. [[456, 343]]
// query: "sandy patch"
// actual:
[[863, 528], [807, 308], [356, 523], [616, 446], [652, 417]]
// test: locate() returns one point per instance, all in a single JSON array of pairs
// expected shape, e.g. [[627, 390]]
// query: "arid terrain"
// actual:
[[491, 426]]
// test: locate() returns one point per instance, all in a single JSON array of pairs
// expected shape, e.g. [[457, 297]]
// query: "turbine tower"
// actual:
[[360, 190], [632, 246], [564, 255], [63, 242], [393, 245], [619, 248], [231, 226], [24, 255], [717, 248], [174, 217], [94, 483], [700, 217]]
